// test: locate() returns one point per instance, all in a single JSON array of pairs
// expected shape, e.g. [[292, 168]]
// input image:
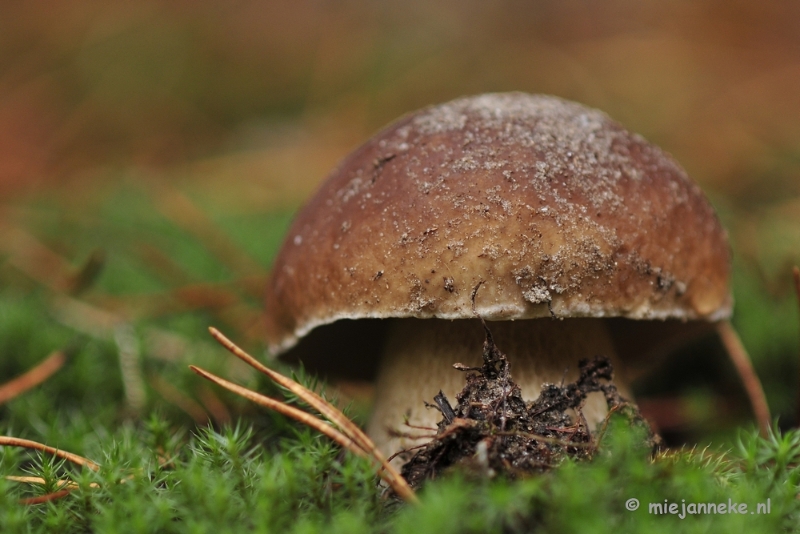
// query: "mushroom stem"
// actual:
[[419, 357]]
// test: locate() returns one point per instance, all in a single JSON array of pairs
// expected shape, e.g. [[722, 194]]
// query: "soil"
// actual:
[[493, 431]]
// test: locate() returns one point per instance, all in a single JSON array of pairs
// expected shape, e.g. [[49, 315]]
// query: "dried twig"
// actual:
[[66, 485], [32, 377], [327, 410], [46, 498], [284, 409], [744, 366], [346, 431], [9, 441], [796, 275]]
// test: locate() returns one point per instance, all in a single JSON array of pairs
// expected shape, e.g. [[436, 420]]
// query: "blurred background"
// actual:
[[152, 153]]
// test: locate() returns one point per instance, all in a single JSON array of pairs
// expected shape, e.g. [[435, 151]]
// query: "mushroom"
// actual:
[[540, 215]]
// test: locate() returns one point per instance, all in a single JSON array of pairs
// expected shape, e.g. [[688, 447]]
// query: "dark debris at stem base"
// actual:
[[493, 431]]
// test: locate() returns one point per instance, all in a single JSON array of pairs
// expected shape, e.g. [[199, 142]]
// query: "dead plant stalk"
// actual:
[[796, 276], [65, 486], [343, 431], [744, 367]]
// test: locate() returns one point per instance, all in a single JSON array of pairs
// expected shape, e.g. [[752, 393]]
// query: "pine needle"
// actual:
[[284, 409], [347, 429], [744, 366], [33, 377], [9, 441]]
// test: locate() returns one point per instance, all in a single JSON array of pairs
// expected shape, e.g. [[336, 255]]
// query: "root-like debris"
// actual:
[[492, 430]]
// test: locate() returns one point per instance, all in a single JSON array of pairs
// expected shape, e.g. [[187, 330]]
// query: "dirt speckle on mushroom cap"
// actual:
[[553, 207]]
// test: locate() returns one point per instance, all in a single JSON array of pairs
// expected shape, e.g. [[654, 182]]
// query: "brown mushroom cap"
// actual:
[[548, 207]]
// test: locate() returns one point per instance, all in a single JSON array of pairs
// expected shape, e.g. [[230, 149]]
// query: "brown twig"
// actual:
[[311, 421], [322, 406], [744, 366], [9, 441], [402, 451], [46, 498], [32, 377], [796, 276], [284, 409], [65, 483], [419, 427], [345, 426], [66, 486]]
